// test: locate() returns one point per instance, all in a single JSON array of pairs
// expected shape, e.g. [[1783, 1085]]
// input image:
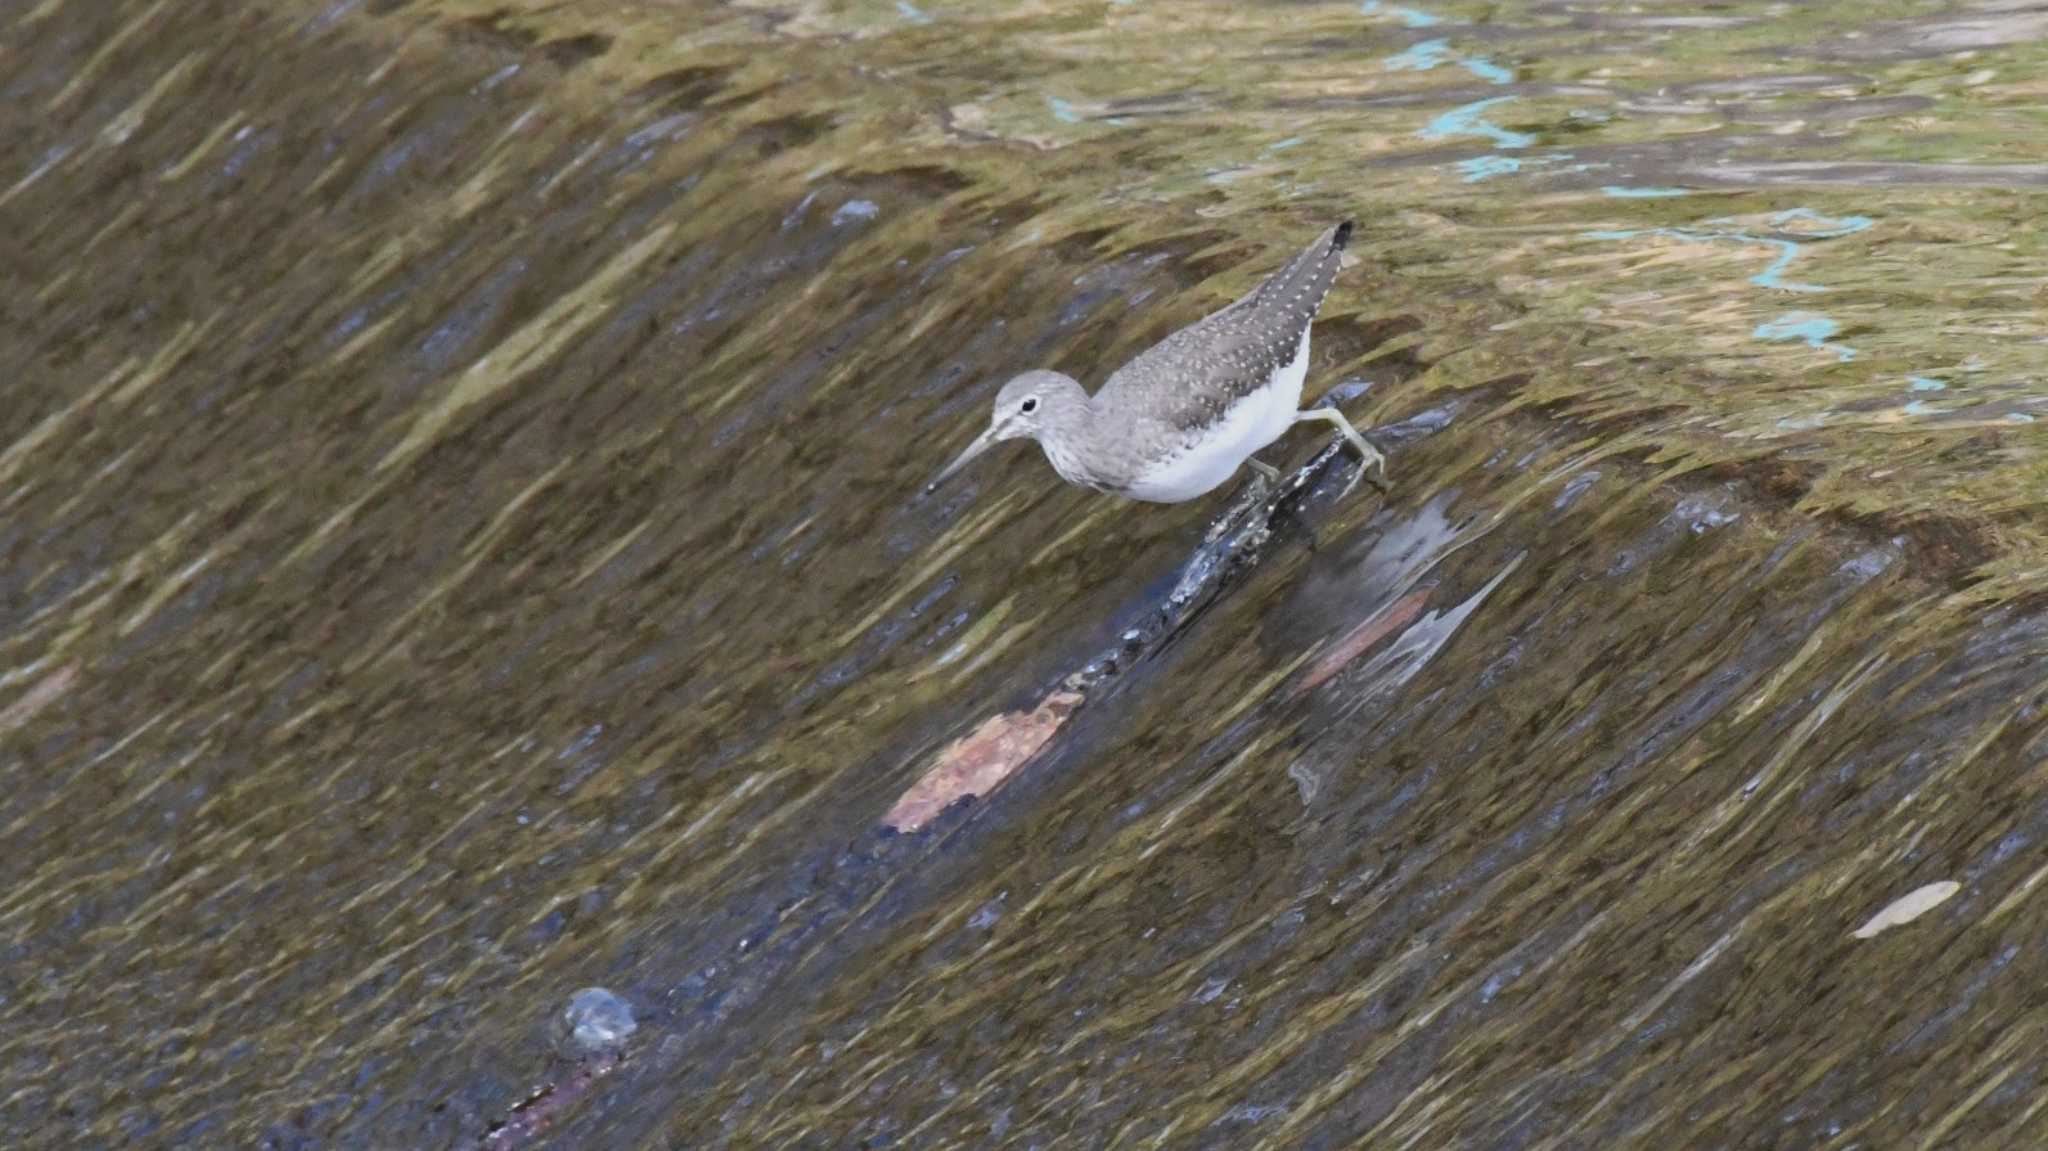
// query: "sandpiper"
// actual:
[[1178, 420]]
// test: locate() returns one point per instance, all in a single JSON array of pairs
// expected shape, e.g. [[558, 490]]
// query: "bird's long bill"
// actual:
[[981, 443]]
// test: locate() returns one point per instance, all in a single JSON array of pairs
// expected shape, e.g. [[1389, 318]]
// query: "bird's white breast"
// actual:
[[1248, 425]]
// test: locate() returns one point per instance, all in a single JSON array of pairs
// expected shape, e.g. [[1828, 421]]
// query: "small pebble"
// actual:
[[855, 210], [596, 1022]]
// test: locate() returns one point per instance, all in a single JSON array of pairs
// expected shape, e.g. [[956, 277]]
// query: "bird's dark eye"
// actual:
[[1031, 405]]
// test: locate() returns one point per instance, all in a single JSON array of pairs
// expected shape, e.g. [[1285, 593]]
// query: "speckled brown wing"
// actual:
[[1189, 379]]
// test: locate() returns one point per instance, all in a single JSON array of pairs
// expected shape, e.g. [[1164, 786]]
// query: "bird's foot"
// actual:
[[1369, 458], [1371, 466]]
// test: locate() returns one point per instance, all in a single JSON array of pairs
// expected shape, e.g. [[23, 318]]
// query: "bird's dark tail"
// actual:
[[1306, 278]]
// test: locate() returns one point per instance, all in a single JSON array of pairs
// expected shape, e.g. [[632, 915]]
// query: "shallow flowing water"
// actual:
[[462, 542]]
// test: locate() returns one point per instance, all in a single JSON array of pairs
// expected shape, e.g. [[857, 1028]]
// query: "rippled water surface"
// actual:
[[462, 542]]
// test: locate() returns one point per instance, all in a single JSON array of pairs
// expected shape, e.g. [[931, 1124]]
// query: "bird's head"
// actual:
[[1031, 406]]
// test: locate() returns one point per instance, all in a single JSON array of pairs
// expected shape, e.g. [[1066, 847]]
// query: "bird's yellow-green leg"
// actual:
[[1369, 457]]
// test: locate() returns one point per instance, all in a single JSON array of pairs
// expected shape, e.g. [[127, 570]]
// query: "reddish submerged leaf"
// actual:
[[977, 763], [1359, 639]]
